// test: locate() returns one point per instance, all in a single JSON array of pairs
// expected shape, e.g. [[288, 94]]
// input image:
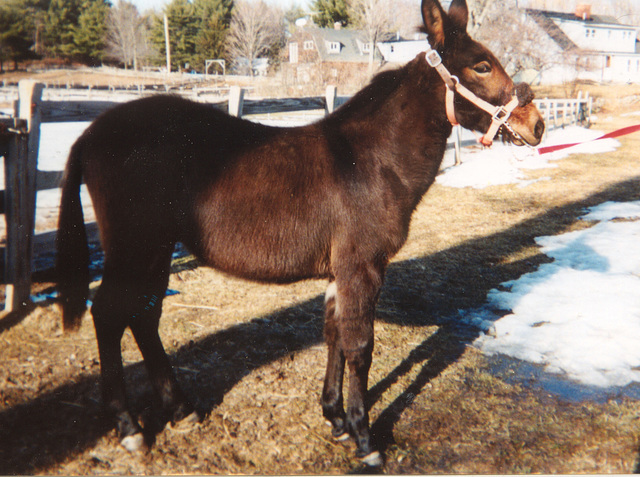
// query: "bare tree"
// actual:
[[256, 29], [407, 18], [528, 41], [375, 18], [127, 34], [626, 11], [478, 11], [514, 37]]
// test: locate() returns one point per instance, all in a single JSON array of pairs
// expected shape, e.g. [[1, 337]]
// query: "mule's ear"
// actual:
[[434, 17], [459, 15]]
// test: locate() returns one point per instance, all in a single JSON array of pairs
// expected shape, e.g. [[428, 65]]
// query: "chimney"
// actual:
[[583, 11], [337, 26]]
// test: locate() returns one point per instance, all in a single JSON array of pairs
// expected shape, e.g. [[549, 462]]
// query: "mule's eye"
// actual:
[[482, 68]]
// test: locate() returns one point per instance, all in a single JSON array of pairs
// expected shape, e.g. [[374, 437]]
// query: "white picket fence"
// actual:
[[558, 113]]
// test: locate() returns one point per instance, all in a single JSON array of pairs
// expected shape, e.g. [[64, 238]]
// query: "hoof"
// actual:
[[373, 460], [133, 443], [338, 434], [186, 424]]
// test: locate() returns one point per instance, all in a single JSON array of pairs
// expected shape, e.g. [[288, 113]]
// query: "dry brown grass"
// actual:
[[252, 356]]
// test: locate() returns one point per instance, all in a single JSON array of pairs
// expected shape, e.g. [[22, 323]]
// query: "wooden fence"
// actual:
[[558, 113], [19, 142]]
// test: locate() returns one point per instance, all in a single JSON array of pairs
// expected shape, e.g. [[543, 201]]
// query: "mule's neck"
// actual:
[[399, 121]]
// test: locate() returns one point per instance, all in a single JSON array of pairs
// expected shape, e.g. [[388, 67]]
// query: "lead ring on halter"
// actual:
[[499, 114]]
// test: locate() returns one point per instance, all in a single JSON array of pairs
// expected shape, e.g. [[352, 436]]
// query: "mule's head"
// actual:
[[479, 70]]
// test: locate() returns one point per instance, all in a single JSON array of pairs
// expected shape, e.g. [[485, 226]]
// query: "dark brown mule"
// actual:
[[333, 199]]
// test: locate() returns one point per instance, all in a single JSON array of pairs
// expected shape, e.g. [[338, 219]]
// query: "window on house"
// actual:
[[308, 45], [608, 61], [366, 47], [334, 47]]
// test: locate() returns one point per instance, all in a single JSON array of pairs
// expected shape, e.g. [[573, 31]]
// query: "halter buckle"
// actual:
[[501, 115], [433, 58]]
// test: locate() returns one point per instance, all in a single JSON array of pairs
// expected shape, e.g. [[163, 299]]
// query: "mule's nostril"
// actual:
[[538, 131]]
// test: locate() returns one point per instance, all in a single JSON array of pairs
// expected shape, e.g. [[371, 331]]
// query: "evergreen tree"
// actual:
[[292, 14], [197, 31], [20, 25], [331, 12], [16, 37], [89, 36], [60, 24], [183, 30], [214, 18]]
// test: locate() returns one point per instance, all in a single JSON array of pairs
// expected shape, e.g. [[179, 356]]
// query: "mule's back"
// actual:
[[248, 199]]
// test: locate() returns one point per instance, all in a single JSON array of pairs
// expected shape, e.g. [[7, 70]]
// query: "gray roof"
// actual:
[[545, 21], [593, 20], [349, 40]]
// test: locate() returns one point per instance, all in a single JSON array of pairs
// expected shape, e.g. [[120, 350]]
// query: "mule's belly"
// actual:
[[264, 259], [260, 241]]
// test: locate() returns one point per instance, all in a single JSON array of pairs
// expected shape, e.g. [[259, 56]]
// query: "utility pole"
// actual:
[[166, 42]]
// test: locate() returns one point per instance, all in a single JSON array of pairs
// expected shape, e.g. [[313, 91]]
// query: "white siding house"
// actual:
[[401, 51], [594, 47]]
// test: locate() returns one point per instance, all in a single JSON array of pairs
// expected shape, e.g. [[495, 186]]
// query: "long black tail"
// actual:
[[71, 242]]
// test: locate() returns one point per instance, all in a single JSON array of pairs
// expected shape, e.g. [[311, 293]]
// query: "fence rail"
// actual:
[[19, 142], [562, 112]]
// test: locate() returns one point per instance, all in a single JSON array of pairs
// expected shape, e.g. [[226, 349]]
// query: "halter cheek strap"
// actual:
[[450, 107], [499, 114]]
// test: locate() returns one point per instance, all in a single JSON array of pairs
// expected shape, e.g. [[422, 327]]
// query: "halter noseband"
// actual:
[[499, 114]]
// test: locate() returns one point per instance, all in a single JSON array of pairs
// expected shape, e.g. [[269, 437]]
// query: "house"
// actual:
[[329, 56], [593, 47], [401, 51]]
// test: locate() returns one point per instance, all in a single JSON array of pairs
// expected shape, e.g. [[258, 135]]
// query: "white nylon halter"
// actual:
[[499, 114]]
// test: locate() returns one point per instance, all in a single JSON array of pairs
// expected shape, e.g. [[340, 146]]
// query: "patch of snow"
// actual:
[[578, 316], [505, 164]]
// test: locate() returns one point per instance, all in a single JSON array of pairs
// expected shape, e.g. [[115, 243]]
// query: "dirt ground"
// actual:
[[252, 356]]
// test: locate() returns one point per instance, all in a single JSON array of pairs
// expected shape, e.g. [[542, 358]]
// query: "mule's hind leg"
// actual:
[[350, 339], [110, 321], [131, 294], [170, 398]]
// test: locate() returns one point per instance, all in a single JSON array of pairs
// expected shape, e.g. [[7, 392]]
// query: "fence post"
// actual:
[[236, 101], [457, 144], [331, 97], [20, 195], [576, 111]]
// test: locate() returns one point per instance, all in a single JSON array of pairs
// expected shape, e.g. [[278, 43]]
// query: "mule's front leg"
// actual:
[[350, 339], [332, 400]]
